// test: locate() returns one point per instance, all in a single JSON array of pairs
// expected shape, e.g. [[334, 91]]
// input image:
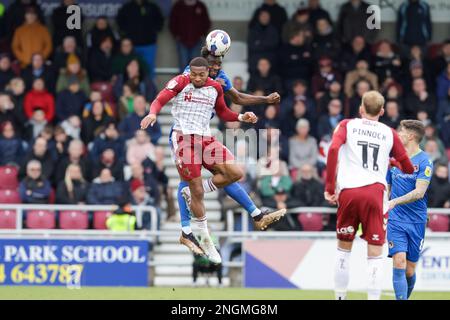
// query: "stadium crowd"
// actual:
[[71, 101]]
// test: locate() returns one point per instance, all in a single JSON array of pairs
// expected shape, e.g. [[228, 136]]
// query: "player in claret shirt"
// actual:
[[362, 147]]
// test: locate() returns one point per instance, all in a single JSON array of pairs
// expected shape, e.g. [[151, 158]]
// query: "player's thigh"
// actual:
[[187, 157], [416, 235], [214, 153], [370, 202], [347, 220], [397, 238]]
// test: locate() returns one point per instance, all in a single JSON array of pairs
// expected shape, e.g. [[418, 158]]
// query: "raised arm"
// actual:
[[225, 114], [244, 99]]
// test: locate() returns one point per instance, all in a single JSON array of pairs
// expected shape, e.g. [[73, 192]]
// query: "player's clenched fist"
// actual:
[[249, 117], [149, 120], [332, 199], [273, 98]]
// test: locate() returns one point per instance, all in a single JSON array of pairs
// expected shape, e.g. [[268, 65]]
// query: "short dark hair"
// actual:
[[414, 126], [199, 62]]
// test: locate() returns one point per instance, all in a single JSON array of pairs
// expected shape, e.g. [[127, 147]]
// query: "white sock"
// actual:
[[202, 225], [208, 186], [341, 274], [187, 229], [255, 213], [375, 277]]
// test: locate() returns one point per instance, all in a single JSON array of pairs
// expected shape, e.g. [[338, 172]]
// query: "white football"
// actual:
[[218, 42]]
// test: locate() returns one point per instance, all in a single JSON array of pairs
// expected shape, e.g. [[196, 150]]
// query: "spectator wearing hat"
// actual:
[[392, 116], [140, 197], [73, 70], [6, 72], [299, 22], [34, 188], [12, 148], [39, 69], [68, 47], [105, 189], [302, 147], [73, 188], [328, 122], [352, 53], [39, 98], [265, 78], [361, 72], [70, 101], [323, 78], [30, 38]]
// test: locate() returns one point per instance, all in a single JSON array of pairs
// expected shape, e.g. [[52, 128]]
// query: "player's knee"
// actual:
[[399, 261], [410, 270], [196, 191]]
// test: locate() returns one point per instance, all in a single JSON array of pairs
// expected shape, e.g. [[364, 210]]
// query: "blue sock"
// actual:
[[236, 192], [411, 282], [400, 285], [184, 210]]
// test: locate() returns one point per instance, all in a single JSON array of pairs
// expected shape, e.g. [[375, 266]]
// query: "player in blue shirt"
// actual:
[[408, 209], [235, 191]]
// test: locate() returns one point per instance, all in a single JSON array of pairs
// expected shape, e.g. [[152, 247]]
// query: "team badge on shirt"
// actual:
[[428, 171], [172, 84]]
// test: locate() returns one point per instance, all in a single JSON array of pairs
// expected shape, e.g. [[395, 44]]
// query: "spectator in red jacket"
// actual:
[[39, 98], [189, 23]]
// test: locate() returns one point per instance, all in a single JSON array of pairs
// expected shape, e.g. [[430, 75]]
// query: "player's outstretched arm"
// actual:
[[417, 194], [245, 99]]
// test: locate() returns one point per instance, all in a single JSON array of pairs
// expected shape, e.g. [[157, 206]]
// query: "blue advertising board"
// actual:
[[74, 263]]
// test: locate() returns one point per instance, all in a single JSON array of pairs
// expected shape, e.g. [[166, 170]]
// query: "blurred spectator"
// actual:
[[432, 148], [94, 97], [122, 219], [322, 80], [149, 180], [139, 148], [308, 191], [135, 76], [30, 38], [316, 12], [270, 118], [73, 70], [298, 92], [274, 189], [440, 62], [141, 20], [192, 13], [439, 190], [96, 119], [328, 122], [295, 58], [443, 84], [352, 21], [105, 190], [361, 72], [35, 188], [12, 148], [386, 62], [9, 112], [270, 163], [35, 125], [6, 72], [99, 32], [126, 100], [278, 15], [39, 98], [39, 69], [75, 156], [299, 22], [61, 140], [432, 134], [334, 91], [70, 101], [353, 104], [59, 22], [414, 23], [125, 55], [132, 122], [324, 41], [72, 189], [420, 100], [302, 147], [265, 78], [15, 14], [39, 152], [262, 42], [16, 89], [100, 61], [392, 116], [109, 159], [415, 71], [62, 53], [109, 138], [72, 127], [352, 53], [290, 119], [140, 197]]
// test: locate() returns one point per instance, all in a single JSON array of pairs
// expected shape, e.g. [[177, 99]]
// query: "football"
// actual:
[[218, 42]]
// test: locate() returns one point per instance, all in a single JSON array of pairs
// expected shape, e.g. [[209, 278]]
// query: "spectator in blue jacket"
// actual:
[[70, 101], [443, 83], [105, 189], [414, 23], [12, 148], [34, 188], [132, 122], [109, 139]]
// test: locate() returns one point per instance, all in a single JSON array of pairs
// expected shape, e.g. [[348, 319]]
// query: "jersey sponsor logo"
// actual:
[[428, 171], [172, 84], [346, 230], [188, 96]]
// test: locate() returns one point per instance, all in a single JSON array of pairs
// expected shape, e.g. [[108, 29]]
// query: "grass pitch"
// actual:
[[165, 293]]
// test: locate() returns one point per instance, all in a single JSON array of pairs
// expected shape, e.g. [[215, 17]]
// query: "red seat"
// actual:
[[439, 222], [7, 219], [9, 196], [100, 219], [40, 219], [311, 221], [8, 177], [73, 220]]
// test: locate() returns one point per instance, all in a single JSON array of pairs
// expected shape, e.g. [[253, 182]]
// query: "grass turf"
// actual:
[[164, 293]]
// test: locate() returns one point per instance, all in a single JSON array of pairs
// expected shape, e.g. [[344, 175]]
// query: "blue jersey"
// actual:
[[220, 75], [402, 183]]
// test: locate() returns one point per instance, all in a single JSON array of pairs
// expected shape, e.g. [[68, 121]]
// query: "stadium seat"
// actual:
[[311, 221], [40, 219], [9, 196], [238, 52], [8, 177], [439, 222], [100, 219], [78, 220], [234, 69], [7, 219]]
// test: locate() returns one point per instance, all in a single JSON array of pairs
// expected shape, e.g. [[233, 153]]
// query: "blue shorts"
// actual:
[[406, 237]]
